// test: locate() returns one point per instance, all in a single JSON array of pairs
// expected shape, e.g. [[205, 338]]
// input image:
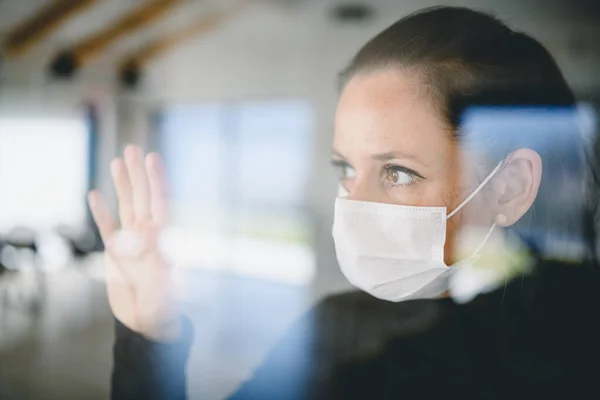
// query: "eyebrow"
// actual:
[[387, 156], [392, 155]]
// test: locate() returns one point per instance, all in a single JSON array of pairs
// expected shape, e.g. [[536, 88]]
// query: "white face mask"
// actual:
[[396, 252]]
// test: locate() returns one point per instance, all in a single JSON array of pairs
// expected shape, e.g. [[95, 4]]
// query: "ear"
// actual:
[[516, 185]]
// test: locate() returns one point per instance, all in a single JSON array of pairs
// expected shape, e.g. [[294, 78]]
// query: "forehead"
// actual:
[[387, 111]]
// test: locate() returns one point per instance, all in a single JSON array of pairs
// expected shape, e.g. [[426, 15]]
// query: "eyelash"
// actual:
[[340, 165], [409, 172]]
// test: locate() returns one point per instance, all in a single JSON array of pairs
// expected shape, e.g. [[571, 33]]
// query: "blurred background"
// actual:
[[239, 98]]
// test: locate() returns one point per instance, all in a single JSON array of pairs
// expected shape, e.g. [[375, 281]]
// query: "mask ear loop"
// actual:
[[500, 218], [477, 190], [487, 237]]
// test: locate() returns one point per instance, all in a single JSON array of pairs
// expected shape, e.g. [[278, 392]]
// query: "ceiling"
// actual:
[[577, 14], [289, 20]]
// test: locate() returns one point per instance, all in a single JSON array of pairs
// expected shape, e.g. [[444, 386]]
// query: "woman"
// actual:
[[399, 143]]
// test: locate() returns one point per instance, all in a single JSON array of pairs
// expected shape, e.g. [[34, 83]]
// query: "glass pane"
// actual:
[[274, 142], [238, 176], [189, 140], [273, 228]]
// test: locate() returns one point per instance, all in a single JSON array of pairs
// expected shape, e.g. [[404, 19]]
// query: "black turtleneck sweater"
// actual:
[[537, 337]]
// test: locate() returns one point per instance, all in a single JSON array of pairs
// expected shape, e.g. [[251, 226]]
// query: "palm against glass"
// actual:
[[139, 282]]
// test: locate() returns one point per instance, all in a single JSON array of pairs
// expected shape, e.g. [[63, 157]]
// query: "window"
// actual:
[[44, 172], [239, 174]]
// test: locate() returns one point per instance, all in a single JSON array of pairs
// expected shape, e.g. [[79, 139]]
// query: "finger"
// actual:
[[134, 159], [104, 220], [124, 192], [159, 191]]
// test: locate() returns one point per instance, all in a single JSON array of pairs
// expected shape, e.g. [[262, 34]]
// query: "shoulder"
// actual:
[[508, 337]]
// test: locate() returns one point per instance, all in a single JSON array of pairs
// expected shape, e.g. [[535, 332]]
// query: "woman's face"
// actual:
[[392, 146]]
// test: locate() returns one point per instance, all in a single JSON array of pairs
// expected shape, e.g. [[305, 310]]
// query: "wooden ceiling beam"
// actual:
[[131, 66], [68, 61], [46, 20]]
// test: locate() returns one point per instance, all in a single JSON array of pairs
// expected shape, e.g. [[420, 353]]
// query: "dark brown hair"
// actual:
[[467, 59], [460, 54]]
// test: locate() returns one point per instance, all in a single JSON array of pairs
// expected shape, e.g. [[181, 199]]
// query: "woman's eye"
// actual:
[[347, 172], [399, 176]]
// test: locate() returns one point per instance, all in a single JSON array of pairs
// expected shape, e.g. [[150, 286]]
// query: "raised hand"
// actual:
[[139, 280]]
